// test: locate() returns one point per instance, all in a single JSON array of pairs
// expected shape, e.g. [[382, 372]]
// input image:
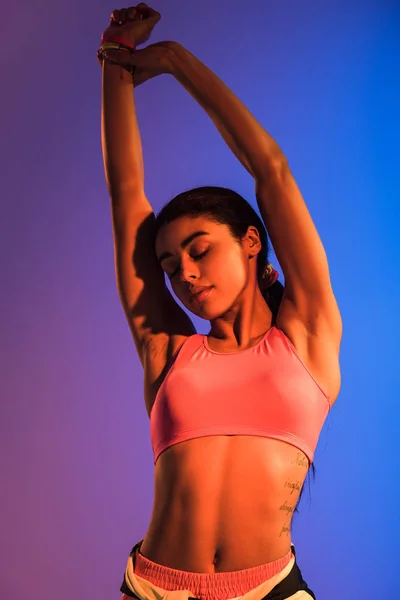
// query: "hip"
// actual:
[[281, 580]]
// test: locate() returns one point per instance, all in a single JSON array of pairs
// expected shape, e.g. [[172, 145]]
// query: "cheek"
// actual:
[[233, 273], [229, 282]]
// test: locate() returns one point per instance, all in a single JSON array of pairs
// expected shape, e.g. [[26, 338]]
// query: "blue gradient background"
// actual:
[[76, 461]]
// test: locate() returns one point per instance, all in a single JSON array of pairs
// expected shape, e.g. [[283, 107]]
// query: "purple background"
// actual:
[[77, 468]]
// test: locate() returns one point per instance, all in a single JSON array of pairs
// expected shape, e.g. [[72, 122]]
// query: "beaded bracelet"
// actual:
[[111, 45]]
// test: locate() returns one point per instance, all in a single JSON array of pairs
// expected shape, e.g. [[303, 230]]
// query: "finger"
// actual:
[[148, 12], [140, 76], [137, 78], [123, 16], [115, 15], [133, 14]]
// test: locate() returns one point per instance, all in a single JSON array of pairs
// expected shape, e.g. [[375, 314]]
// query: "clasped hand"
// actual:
[[135, 25]]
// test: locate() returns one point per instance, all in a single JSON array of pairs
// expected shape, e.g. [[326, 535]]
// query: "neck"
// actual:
[[244, 323]]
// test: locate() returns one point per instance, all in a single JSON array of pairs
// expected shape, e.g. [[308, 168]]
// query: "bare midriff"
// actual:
[[224, 503]]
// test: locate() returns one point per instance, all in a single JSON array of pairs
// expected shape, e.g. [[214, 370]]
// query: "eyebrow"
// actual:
[[185, 242]]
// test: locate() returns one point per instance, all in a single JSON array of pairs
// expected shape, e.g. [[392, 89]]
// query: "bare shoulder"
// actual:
[[318, 347], [157, 322]]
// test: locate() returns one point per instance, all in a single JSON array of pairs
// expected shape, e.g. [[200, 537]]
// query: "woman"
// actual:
[[235, 415]]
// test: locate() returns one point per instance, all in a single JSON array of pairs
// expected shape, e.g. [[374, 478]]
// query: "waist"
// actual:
[[193, 550], [198, 530]]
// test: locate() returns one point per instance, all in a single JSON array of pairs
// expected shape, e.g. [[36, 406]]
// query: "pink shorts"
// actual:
[[277, 580]]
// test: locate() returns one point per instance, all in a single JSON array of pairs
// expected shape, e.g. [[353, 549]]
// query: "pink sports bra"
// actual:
[[262, 391]]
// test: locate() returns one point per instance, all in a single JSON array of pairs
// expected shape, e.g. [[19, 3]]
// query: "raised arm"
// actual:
[[153, 315], [121, 141], [293, 235], [247, 139], [132, 214]]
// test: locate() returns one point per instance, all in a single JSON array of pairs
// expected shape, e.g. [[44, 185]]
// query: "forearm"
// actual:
[[121, 141], [247, 139]]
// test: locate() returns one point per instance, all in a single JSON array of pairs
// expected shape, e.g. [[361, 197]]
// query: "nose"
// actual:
[[188, 277], [189, 272]]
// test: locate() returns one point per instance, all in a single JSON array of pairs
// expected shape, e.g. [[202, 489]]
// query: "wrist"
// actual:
[[172, 50], [116, 72]]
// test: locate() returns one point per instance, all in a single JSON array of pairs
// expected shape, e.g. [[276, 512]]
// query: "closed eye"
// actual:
[[198, 257]]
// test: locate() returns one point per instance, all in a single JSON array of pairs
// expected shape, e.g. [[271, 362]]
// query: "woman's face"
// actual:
[[212, 258]]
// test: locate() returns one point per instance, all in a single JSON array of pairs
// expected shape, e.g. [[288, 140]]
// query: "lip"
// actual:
[[201, 296]]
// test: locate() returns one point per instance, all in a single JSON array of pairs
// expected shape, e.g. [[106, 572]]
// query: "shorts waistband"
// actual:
[[228, 584]]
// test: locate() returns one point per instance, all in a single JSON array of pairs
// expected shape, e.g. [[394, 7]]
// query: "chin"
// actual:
[[206, 313]]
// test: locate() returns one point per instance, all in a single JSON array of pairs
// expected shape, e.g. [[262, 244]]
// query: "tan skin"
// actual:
[[222, 503], [236, 309], [235, 495]]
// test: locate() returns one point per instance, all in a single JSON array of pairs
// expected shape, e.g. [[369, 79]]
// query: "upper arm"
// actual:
[[299, 250], [150, 309]]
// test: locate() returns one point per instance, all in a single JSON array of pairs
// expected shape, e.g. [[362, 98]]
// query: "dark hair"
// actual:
[[229, 208]]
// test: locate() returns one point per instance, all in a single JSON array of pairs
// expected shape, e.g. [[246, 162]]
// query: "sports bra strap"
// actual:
[[187, 349]]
